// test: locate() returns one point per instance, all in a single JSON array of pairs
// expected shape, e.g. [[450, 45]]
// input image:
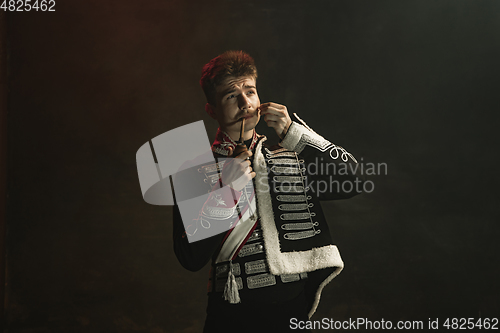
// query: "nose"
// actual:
[[243, 102]]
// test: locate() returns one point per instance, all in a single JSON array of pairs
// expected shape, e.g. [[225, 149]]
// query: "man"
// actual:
[[273, 265]]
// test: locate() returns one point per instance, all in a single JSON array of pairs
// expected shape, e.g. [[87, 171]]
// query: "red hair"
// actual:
[[228, 64]]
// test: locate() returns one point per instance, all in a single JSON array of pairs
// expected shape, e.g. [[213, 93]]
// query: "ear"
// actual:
[[210, 110]]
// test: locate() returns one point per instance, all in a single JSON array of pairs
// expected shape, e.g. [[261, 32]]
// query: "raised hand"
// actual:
[[237, 172], [276, 116]]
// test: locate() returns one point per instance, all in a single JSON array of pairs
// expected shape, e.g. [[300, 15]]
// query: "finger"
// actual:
[[230, 152], [244, 154], [272, 124], [253, 174], [272, 117], [245, 164], [274, 111], [243, 168], [270, 104]]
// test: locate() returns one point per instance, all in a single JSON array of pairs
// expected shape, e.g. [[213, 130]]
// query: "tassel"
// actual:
[[231, 293]]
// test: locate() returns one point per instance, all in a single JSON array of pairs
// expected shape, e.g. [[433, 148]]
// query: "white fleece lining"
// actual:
[[320, 289], [289, 262]]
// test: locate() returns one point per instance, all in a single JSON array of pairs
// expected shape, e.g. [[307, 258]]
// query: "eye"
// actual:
[[250, 92], [230, 96]]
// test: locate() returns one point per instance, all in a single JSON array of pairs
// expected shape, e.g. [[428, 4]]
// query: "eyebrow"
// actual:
[[231, 90]]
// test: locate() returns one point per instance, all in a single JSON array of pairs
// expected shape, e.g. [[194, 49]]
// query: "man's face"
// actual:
[[236, 98]]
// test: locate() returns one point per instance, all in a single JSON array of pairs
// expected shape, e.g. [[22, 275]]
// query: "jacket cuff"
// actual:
[[298, 136]]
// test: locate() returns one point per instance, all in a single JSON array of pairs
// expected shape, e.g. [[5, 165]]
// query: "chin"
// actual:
[[250, 123]]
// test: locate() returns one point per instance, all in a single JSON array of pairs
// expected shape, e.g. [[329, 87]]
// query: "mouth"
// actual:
[[246, 117]]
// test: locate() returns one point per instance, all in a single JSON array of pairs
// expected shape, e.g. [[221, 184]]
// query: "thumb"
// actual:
[[230, 152]]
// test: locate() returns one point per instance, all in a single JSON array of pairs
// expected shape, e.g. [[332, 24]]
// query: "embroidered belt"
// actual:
[[258, 266], [267, 279], [222, 270], [254, 281], [285, 278], [262, 280], [220, 284]]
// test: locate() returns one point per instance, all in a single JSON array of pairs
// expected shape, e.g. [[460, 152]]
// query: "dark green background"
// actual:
[[413, 84]]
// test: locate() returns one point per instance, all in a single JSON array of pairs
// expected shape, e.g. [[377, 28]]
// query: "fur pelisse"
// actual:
[[290, 262], [285, 262]]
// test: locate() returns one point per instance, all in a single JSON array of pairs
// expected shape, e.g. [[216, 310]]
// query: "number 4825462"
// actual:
[[28, 5]]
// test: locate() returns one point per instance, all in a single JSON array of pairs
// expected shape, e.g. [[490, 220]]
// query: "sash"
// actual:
[[239, 234]]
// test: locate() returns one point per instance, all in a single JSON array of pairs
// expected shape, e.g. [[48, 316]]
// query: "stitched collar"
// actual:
[[223, 141]]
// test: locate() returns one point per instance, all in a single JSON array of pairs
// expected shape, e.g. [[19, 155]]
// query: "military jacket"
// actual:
[[283, 202]]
